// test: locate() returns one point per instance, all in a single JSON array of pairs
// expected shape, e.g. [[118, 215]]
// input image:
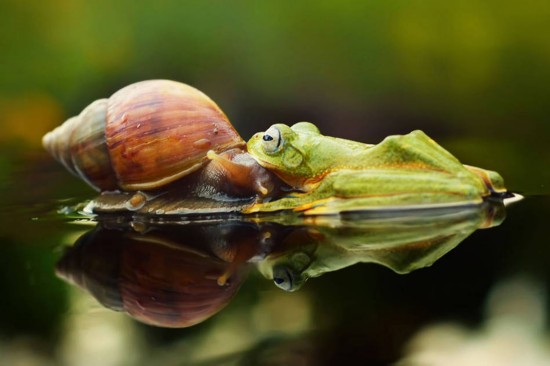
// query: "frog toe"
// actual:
[[493, 180]]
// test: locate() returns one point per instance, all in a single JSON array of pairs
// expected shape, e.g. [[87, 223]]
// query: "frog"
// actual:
[[330, 174]]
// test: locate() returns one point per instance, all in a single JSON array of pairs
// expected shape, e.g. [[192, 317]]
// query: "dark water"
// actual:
[[419, 287]]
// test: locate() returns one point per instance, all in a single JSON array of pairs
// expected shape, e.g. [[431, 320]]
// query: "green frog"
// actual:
[[327, 174]]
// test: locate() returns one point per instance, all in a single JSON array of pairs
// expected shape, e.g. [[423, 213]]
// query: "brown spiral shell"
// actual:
[[167, 277], [143, 137]]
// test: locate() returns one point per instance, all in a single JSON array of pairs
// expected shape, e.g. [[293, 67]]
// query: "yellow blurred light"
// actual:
[[28, 117]]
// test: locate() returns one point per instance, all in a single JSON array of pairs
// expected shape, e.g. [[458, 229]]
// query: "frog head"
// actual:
[[289, 152]]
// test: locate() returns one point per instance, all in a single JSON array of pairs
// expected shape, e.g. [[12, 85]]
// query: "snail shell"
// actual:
[[144, 136]]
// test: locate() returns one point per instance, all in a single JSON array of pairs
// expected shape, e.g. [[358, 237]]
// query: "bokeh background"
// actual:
[[474, 75]]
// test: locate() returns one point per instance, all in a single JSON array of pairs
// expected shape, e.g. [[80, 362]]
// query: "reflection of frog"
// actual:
[[402, 170], [402, 242]]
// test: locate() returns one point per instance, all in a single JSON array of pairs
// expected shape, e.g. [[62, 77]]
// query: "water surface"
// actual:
[[368, 287]]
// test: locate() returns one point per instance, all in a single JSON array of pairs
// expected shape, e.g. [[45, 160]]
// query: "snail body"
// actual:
[[153, 133]]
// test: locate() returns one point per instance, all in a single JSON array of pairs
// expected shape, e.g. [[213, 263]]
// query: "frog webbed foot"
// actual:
[[492, 180]]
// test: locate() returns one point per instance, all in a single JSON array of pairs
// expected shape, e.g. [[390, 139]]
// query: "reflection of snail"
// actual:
[[174, 277], [153, 133]]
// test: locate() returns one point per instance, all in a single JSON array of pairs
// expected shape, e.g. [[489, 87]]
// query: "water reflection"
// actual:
[[179, 273], [169, 275]]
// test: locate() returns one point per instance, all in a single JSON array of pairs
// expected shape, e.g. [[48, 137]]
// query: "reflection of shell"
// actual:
[[154, 280], [172, 287]]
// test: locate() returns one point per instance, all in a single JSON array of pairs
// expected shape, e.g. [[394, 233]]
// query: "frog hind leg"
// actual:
[[420, 148], [412, 151], [401, 188]]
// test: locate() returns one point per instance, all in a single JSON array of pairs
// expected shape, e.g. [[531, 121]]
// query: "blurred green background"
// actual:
[[474, 75]]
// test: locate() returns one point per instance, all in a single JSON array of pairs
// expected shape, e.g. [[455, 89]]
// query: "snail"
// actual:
[[151, 134]]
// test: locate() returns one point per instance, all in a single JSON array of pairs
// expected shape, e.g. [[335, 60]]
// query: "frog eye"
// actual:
[[272, 140], [283, 278]]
